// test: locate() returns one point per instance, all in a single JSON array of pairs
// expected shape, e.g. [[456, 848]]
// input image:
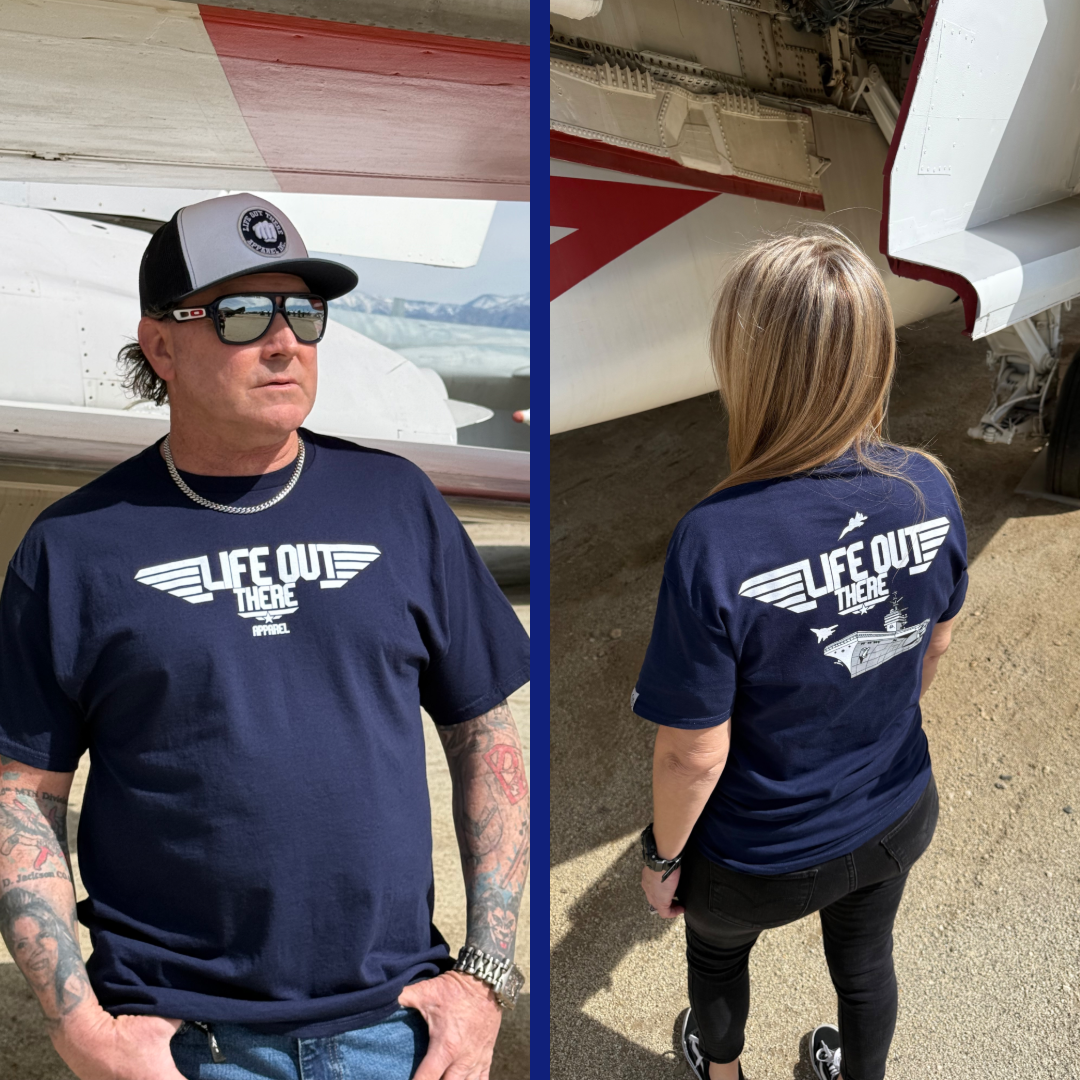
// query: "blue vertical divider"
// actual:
[[540, 960]]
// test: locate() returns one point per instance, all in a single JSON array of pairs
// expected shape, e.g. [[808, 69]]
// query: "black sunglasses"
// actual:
[[246, 317]]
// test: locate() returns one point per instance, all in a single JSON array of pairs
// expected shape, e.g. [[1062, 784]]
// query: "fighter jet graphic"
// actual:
[[854, 523], [825, 632]]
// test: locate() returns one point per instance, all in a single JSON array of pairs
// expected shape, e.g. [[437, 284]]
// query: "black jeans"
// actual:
[[857, 895]]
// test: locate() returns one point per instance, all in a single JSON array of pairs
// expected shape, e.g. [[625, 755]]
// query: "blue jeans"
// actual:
[[391, 1050]]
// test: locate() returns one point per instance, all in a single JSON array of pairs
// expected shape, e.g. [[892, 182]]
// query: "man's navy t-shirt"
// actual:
[[802, 608], [255, 836]]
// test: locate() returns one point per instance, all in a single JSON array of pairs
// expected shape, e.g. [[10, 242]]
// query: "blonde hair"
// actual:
[[804, 349]]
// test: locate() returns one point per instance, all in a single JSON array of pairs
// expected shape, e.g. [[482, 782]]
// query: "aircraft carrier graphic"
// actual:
[[867, 649]]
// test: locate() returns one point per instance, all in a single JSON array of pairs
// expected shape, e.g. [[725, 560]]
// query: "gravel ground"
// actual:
[[25, 1050], [988, 937]]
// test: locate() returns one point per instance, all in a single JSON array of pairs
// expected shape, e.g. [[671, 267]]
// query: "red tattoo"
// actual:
[[505, 762], [39, 862]]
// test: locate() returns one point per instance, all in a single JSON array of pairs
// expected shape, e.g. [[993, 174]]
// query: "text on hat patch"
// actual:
[[262, 232]]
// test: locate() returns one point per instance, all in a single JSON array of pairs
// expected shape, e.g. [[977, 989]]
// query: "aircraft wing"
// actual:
[[479, 483], [983, 175], [365, 97]]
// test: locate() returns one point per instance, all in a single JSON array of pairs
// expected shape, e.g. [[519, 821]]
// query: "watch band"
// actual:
[[499, 973], [652, 856]]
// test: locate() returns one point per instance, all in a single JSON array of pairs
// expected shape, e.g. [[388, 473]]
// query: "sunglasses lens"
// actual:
[[307, 317], [244, 318]]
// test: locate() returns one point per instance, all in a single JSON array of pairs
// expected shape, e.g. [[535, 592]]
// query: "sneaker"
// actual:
[[825, 1052], [692, 1048]]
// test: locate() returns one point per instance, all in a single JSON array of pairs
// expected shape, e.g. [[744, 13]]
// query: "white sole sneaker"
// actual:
[[690, 1048], [825, 1052]]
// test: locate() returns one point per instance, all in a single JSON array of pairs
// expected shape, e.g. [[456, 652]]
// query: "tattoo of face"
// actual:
[[45, 950], [502, 922]]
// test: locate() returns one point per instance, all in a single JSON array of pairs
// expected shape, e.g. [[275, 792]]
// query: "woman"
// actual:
[[804, 608], [45, 950]]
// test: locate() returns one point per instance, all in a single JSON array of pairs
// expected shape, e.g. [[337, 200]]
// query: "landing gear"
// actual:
[[1063, 453], [1026, 357]]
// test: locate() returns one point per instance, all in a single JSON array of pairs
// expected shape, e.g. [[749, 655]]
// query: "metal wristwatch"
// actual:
[[651, 856], [502, 975]]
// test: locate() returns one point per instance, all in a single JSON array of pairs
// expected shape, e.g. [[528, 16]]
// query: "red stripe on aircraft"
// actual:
[[603, 155], [609, 218], [346, 109]]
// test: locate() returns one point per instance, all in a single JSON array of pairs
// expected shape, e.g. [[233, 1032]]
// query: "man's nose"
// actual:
[[280, 335]]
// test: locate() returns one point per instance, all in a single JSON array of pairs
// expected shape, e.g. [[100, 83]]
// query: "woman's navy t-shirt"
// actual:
[[802, 608], [256, 833]]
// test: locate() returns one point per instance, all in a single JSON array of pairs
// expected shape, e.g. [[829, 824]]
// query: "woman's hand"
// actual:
[[661, 894]]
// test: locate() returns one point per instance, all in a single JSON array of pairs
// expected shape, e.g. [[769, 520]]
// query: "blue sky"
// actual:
[[503, 268]]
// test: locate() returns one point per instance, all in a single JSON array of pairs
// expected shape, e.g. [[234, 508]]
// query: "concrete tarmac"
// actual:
[[988, 937], [25, 1050]]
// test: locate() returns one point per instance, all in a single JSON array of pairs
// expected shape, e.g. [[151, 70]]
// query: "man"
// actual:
[[241, 624]]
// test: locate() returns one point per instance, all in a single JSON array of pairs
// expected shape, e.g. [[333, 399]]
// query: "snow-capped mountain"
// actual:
[[508, 312]]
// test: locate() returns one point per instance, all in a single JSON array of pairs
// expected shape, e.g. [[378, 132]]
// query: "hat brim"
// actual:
[[329, 279]]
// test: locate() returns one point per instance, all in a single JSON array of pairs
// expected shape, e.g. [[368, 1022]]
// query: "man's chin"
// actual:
[[280, 419]]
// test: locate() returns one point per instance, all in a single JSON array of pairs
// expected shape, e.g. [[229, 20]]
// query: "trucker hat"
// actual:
[[212, 241]]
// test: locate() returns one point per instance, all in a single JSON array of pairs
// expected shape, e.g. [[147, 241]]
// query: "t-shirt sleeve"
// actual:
[[688, 677], [40, 725], [478, 649], [956, 601]]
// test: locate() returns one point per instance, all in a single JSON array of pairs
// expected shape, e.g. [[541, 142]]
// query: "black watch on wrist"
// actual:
[[652, 858]]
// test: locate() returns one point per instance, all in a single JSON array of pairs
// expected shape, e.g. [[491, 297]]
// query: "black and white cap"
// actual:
[[210, 242]]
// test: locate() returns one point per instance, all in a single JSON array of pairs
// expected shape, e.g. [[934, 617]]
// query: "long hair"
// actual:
[[804, 349], [21, 903], [139, 378]]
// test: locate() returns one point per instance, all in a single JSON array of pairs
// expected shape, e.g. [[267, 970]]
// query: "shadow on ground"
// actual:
[[1002, 706]]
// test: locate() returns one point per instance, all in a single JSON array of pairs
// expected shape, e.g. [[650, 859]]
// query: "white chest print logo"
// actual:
[[793, 586], [263, 597]]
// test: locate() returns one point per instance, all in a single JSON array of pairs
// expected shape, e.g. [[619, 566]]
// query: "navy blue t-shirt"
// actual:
[[255, 836], [802, 608]]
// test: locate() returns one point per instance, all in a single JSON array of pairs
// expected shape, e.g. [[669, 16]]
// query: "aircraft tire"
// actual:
[[1063, 453]]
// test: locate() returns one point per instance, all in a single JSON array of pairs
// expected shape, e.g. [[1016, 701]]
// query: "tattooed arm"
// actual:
[[491, 816], [37, 899], [38, 924]]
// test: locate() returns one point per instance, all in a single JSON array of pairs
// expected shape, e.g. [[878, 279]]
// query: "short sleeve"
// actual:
[[479, 654], [688, 678], [956, 602], [40, 725]]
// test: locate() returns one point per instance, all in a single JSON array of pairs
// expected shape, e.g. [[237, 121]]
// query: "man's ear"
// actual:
[[157, 346]]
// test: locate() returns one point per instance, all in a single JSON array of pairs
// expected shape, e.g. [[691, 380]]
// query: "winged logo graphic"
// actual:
[[247, 573], [347, 560], [825, 632], [787, 587], [925, 540], [857, 575], [186, 578]]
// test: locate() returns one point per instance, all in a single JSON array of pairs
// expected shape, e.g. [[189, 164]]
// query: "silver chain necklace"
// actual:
[[166, 453]]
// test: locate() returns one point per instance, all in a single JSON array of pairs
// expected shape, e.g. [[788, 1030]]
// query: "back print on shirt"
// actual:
[[867, 567]]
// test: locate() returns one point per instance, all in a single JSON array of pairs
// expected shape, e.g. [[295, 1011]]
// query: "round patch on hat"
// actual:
[[262, 232]]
